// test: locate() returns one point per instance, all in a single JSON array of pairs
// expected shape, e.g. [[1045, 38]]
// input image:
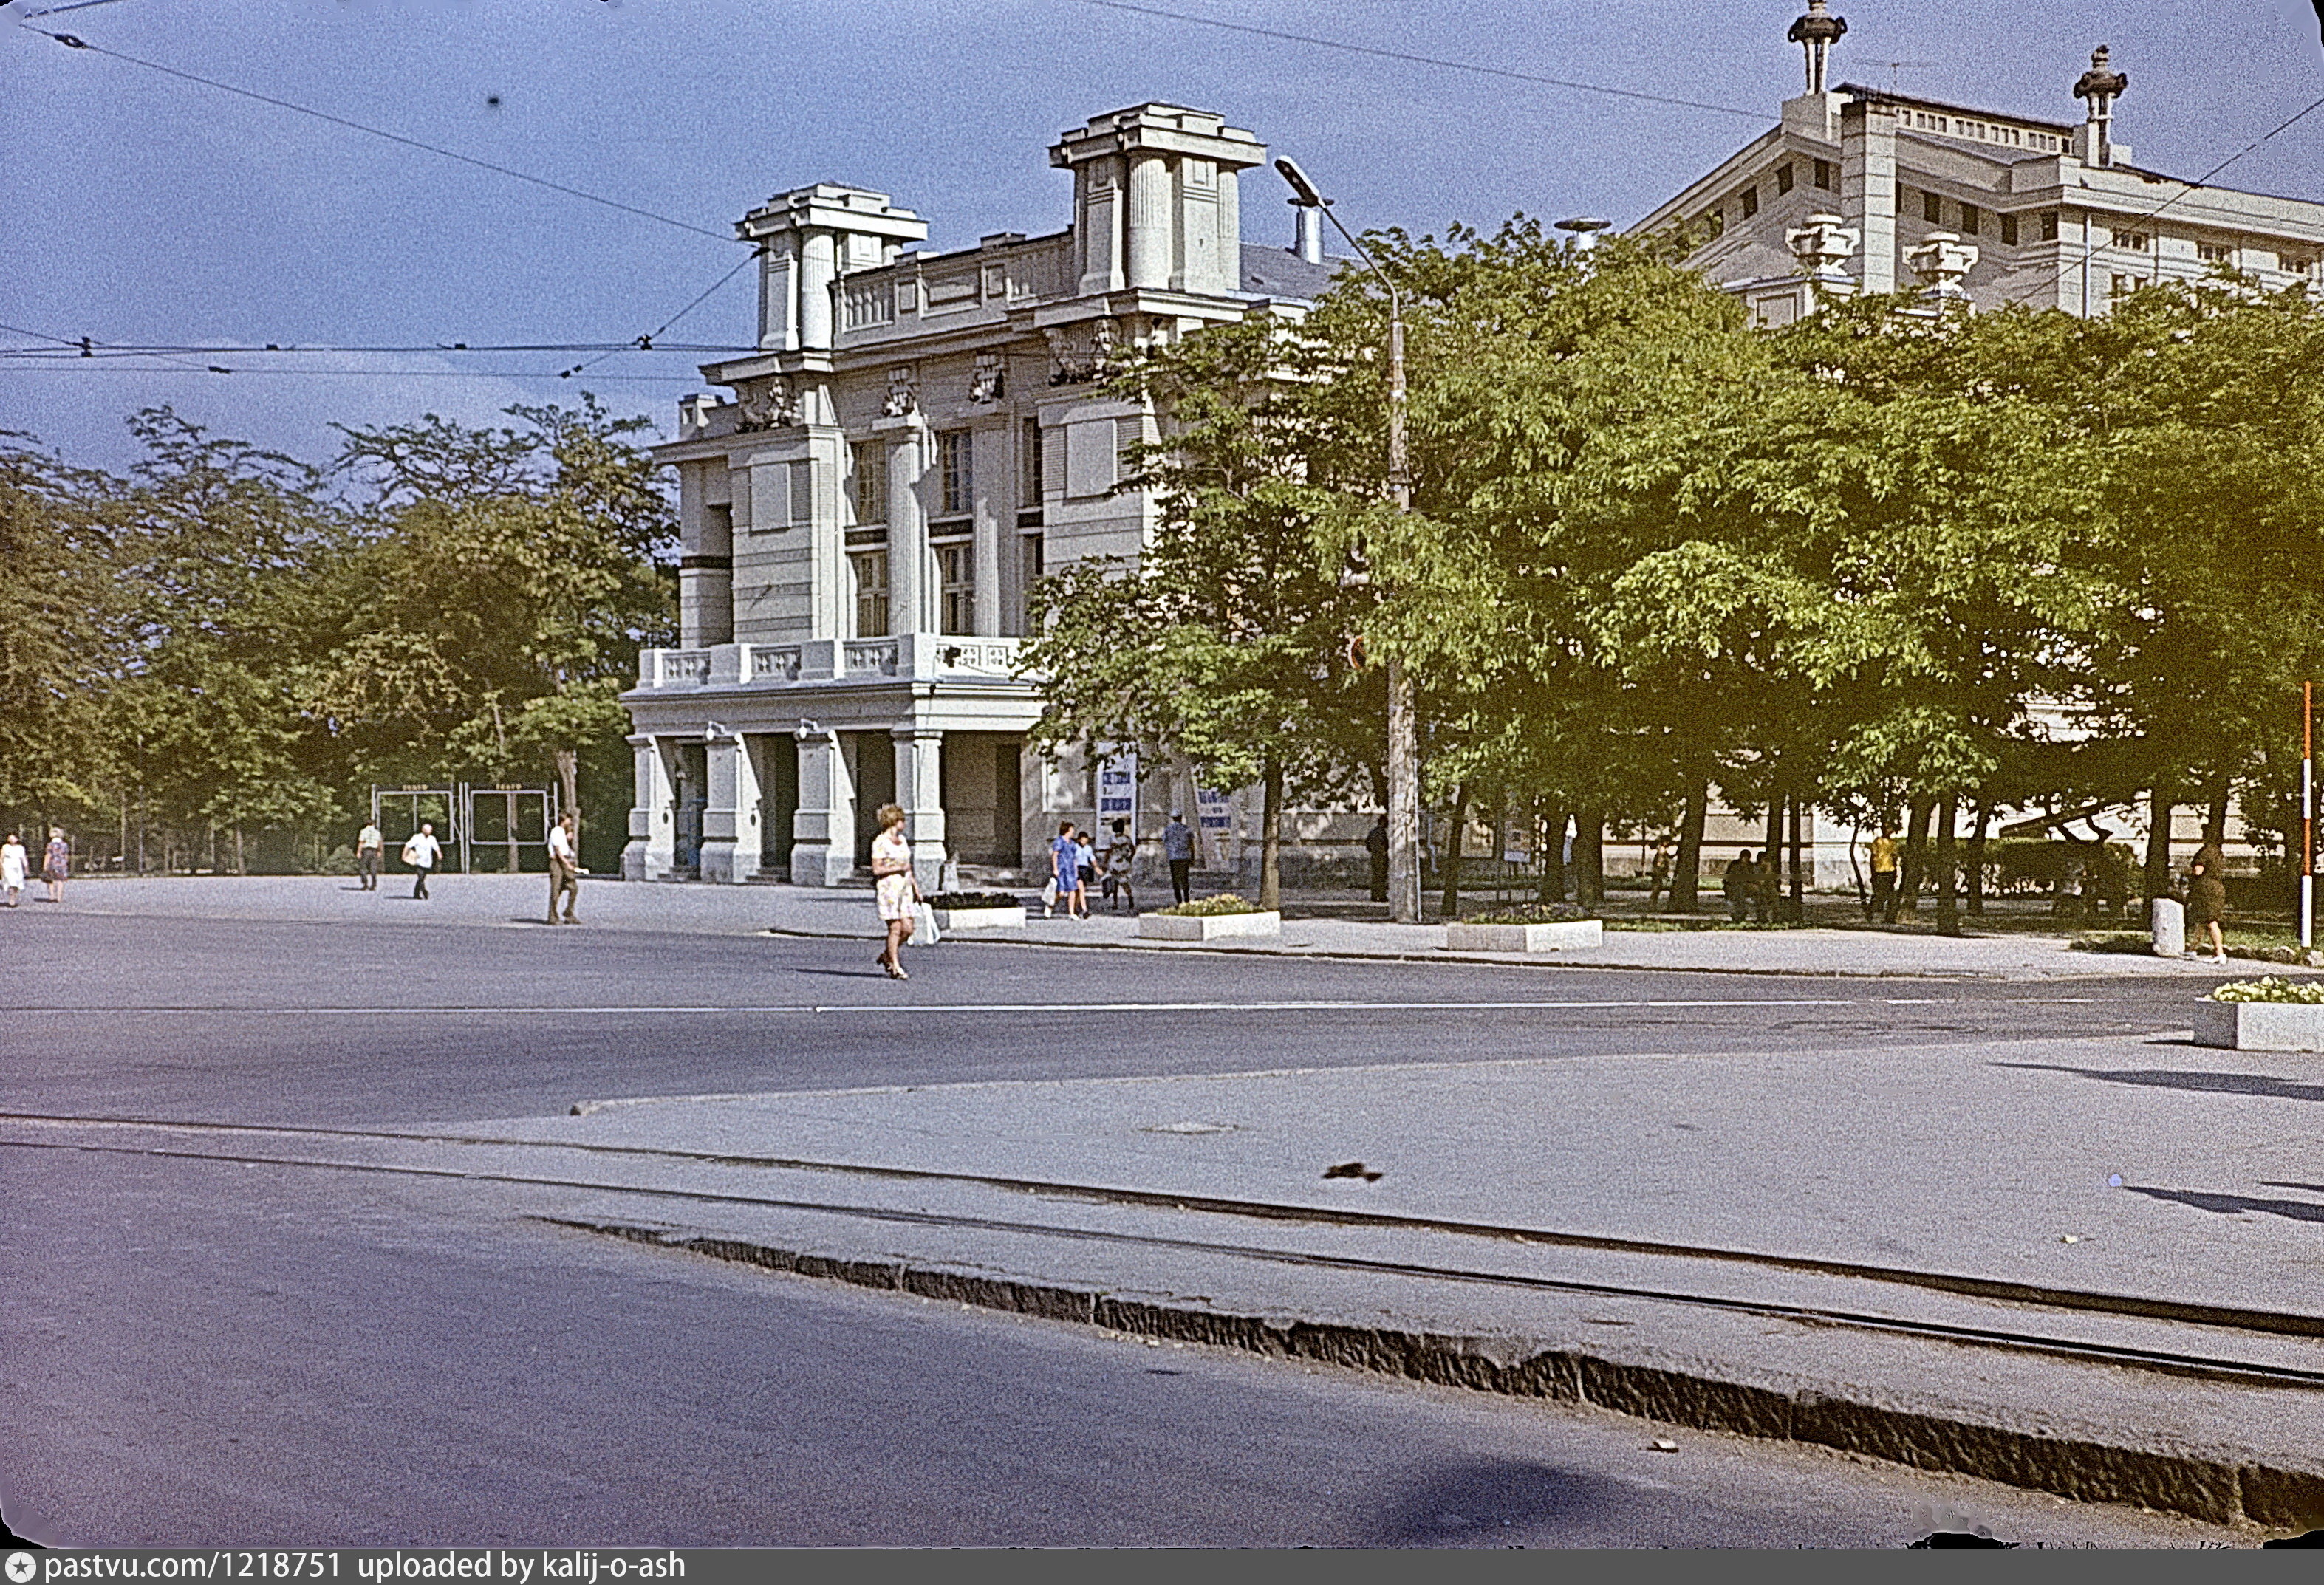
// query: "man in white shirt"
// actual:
[[563, 870], [422, 852]]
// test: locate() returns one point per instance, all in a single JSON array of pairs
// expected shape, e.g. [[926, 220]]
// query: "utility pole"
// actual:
[[2307, 814], [1403, 717]]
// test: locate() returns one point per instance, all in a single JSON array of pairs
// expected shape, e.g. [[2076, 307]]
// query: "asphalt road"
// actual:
[[204, 1353], [264, 1022]]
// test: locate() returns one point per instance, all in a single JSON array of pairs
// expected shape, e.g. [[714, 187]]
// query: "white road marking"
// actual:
[[885, 1007]]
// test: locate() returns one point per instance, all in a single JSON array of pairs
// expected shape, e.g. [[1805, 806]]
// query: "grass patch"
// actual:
[[1204, 908]]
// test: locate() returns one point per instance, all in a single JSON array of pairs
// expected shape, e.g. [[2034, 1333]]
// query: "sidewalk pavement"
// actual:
[[1662, 1235], [514, 902]]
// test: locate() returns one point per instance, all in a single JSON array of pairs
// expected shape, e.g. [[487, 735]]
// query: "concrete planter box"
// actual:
[[2259, 1025], [1557, 937], [951, 919], [1207, 926]]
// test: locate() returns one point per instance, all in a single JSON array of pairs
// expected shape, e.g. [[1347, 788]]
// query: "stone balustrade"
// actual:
[[825, 661]]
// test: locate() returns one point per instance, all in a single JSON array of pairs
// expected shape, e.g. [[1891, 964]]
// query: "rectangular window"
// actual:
[[2123, 285], [1933, 208], [1129, 434], [869, 461], [956, 571], [2137, 241], [1972, 220], [870, 571], [2009, 231], [2048, 225], [1750, 201], [2216, 253], [1825, 174], [957, 486], [1028, 459], [1782, 178]]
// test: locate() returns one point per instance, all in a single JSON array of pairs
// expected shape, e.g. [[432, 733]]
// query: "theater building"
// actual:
[[863, 511]]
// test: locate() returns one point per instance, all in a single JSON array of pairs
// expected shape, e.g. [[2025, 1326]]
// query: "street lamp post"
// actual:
[[1403, 728]]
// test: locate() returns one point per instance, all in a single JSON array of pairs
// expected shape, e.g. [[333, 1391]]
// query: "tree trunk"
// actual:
[[1948, 906], [1977, 854], [1455, 838], [1590, 858], [240, 868], [2215, 825], [1796, 909], [1553, 816], [1774, 856], [2161, 802], [1270, 837], [1914, 871], [1687, 872], [568, 787]]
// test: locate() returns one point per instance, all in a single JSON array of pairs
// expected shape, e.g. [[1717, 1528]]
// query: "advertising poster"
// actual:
[[1214, 818]]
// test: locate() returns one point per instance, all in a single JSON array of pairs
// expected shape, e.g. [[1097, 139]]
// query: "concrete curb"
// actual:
[[2215, 1490]]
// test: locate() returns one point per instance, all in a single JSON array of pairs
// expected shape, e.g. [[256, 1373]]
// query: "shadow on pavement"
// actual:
[[2185, 1079], [2235, 1204], [1474, 1503]]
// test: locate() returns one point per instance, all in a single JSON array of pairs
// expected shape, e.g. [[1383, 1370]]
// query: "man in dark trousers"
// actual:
[[1178, 848], [1376, 845]]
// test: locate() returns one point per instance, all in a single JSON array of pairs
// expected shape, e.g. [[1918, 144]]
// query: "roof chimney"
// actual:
[[1309, 242]]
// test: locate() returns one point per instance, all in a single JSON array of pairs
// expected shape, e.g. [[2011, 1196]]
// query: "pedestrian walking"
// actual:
[[1066, 872], [57, 866], [13, 864], [1086, 865], [1120, 855], [898, 890], [2207, 896], [370, 847], [1884, 850], [1178, 849], [1658, 875], [1738, 886], [565, 869], [423, 852], [1376, 849]]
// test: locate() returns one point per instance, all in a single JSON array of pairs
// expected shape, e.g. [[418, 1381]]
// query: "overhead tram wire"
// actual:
[[2188, 190], [68, 351], [1412, 58], [245, 371], [73, 41]]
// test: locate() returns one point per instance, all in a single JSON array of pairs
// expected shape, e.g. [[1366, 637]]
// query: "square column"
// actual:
[[1868, 186], [730, 820], [822, 832], [652, 850], [919, 789]]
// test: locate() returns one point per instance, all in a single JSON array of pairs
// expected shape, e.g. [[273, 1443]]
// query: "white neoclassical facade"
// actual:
[[919, 437], [1856, 189]]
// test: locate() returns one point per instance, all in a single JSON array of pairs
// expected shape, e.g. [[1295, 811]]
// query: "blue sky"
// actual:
[[138, 208]]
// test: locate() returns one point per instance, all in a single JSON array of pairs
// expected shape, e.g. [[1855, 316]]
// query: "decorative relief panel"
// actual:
[[1080, 357], [767, 404], [903, 391], [988, 379]]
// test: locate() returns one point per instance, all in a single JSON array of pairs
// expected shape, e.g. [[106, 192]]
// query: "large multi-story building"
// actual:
[[921, 435], [917, 438]]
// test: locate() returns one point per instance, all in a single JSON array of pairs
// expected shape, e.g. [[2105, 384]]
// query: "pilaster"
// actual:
[[1868, 186], [822, 832], [919, 789], [651, 853], [730, 821]]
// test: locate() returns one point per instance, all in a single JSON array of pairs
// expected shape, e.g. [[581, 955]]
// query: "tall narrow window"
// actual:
[[1825, 174], [1028, 460], [1933, 208], [1750, 201], [956, 486], [2048, 225], [956, 568], [869, 461], [870, 570], [2009, 231], [1784, 178], [1972, 220]]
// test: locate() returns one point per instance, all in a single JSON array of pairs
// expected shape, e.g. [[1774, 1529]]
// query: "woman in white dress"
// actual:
[[13, 864], [898, 893]]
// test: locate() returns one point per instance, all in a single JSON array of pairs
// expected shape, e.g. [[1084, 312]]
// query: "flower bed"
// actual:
[[1486, 935], [1209, 918], [977, 910], [2272, 1014]]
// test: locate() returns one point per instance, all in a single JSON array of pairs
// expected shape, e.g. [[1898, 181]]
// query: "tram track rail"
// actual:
[[2210, 1366]]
